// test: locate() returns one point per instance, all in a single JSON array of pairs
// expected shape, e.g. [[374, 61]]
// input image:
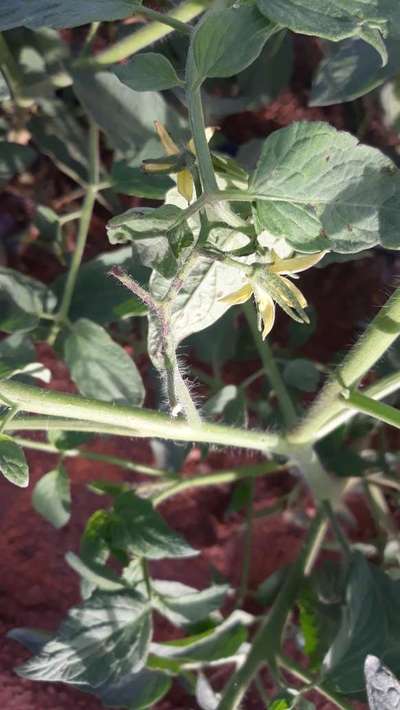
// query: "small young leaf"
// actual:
[[13, 464], [22, 301], [100, 367], [352, 189], [302, 374], [51, 497], [103, 639], [14, 158], [147, 72], [140, 530]]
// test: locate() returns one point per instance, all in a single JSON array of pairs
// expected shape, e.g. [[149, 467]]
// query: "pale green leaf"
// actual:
[[100, 367], [227, 41], [147, 72], [352, 189], [185, 605], [103, 639], [22, 301], [142, 222], [95, 574], [51, 497], [13, 464]]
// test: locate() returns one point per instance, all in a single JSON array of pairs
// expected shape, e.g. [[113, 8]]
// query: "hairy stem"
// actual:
[[378, 410]]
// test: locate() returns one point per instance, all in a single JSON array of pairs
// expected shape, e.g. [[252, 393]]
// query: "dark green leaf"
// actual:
[[140, 530], [58, 13], [104, 638], [352, 189], [147, 72], [100, 367], [226, 41], [131, 180], [16, 351], [217, 344], [22, 301], [370, 625], [302, 374], [98, 297], [351, 69], [51, 497], [136, 691], [13, 464], [14, 159], [67, 440]]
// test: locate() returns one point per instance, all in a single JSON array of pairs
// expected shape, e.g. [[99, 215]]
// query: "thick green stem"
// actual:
[[144, 37], [266, 644], [378, 337], [270, 368], [378, 410], [132, 420]]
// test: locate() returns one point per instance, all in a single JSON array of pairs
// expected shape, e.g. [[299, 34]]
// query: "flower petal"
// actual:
[[266, 308], [168, 144], [298, 298], [185, 184], [209, 134], [296, 264], [240, 296]]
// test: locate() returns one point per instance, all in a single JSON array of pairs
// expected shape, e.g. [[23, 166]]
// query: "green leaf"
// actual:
[[22, 301], [100, 367], [147, 72], [225, 42], [98, 297], [220, 642], [102, 639], [136, 691], [351, 69], [67, 440], [136, 527], [58, 13], [352, 189], [5, 94], [14, 159], [370, 625], [97, 575], [13, 464], [217, 344], [51, 497], [16, 351], [368, 19], [126, 116], [302, 374], [129, 179], [185, 605]]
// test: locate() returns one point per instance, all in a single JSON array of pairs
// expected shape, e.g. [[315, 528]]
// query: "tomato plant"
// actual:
[[209, 251]]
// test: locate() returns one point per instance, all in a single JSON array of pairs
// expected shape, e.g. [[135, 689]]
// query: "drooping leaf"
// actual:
[[51, 497], [22, 301], [100, 367], [185, 605], [101, 640], [225, 42], [221, 642], [126, 116], [135, 526], [370, 625], [16, 351], [148, 71], [136, 691], [370, 20], [97, 575], [97, 296], [13, 464], [57, 13], [14, 159], [351, 69], [352, 189]]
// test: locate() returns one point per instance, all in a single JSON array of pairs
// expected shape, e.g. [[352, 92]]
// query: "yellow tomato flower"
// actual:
[[269, 286], [184, 177]]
